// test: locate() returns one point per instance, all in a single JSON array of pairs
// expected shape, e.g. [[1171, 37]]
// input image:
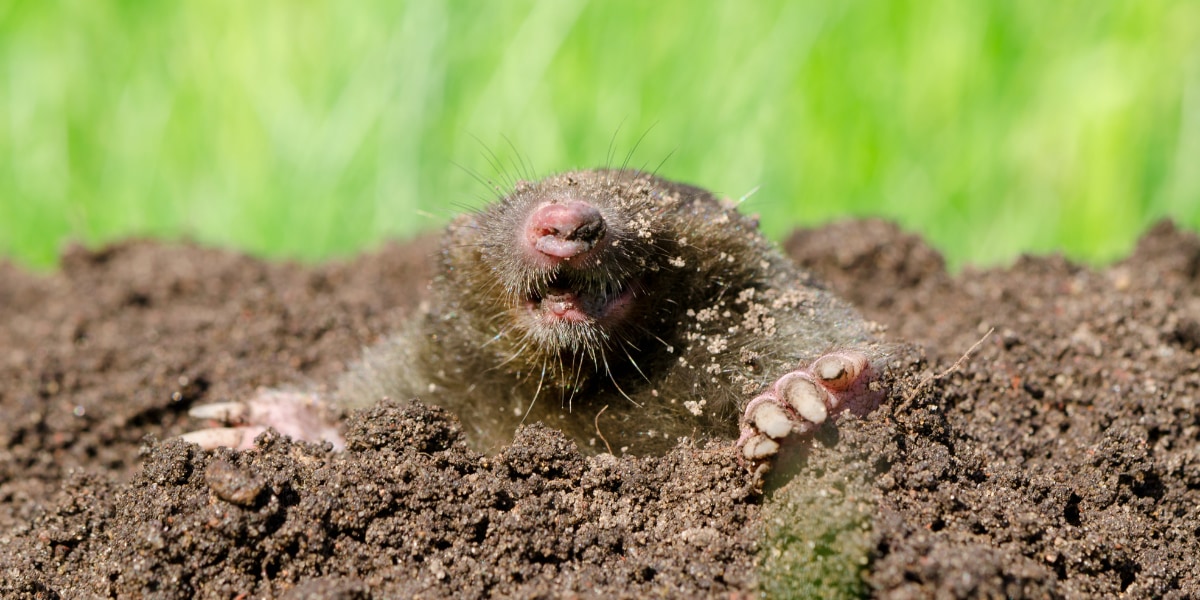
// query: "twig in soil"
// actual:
[[596, 421], [952, 368]]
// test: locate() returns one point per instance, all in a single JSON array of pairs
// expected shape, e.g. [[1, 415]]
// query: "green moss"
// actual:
[[817, 540]]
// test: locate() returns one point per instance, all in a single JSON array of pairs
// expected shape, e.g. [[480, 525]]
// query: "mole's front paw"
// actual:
[[298, 415], [803, 399]]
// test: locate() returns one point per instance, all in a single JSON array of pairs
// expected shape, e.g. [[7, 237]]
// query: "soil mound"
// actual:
[[1061, 460]]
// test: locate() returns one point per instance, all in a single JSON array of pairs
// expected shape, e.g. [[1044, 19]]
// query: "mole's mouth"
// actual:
[[565, 301]]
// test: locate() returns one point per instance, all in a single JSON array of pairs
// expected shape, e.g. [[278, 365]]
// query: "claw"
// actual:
[[238, 438], [805, 396], [759, 447], [225, 412], [771, 419], [298, 415], [801, 400], [840, 370]]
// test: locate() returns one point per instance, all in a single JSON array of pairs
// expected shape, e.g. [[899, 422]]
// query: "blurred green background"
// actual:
[[318, 128]]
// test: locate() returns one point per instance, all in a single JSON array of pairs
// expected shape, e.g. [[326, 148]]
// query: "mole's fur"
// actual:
[[607, 290]]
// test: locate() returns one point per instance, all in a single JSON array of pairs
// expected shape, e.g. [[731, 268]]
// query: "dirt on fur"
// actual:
[[1061, 460]]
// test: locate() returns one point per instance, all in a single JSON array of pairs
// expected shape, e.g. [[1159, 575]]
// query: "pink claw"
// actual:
[[801, 400], [297, 415]]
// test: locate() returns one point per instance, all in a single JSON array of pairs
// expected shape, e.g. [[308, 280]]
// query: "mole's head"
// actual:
[[575, 262]]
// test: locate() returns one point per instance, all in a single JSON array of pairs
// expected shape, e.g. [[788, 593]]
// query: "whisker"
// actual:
[[525, 170], [663, 162], [635, 365], [629, 156], [613, 379], [496, 164], [476, 175], [536, 393], [612, 143]]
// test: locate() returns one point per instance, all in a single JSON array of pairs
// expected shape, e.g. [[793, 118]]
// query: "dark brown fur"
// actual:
[[718, 313]]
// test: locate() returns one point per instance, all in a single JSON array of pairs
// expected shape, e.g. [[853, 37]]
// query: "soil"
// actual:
[[1062, 459]]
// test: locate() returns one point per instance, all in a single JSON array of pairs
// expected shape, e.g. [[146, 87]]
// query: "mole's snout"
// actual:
[[564, 231]]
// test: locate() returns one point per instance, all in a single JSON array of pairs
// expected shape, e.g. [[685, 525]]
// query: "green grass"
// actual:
[[314, 129]]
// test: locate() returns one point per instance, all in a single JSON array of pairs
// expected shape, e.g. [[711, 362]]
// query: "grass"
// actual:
[[317, 129]]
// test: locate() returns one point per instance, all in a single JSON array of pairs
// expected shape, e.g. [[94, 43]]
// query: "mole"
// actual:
[[625, 309]]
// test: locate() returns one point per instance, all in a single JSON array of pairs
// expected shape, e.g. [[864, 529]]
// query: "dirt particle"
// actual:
[[232, 484]]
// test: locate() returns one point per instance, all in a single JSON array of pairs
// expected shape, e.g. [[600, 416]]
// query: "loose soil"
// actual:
[[1062, 459]]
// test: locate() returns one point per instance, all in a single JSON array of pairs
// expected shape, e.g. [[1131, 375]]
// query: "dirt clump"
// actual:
[[1061, 460]]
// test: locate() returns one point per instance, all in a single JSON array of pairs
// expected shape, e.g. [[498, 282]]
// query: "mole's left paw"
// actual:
[[298, 415], [803, 399]]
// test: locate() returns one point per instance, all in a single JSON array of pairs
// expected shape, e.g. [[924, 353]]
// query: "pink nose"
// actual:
[[563, 231]]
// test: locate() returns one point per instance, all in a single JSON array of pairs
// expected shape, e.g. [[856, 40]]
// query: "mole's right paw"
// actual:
[[298, 415], [801, 400]]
